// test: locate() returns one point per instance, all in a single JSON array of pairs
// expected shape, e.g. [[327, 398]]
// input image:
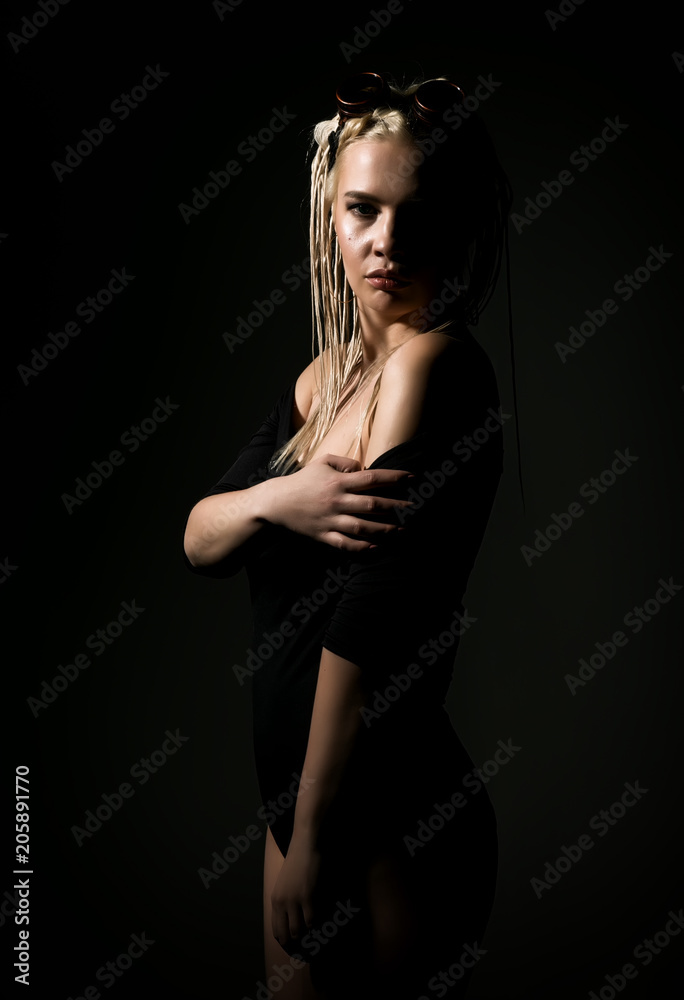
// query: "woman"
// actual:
[[358, 509]]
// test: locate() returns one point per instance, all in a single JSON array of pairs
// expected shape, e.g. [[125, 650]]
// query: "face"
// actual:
[[388, 229]]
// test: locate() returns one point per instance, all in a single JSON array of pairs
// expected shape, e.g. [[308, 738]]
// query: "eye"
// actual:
[[362, 209]]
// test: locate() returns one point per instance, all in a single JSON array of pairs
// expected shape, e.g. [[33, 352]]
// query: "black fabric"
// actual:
[[383, 609]]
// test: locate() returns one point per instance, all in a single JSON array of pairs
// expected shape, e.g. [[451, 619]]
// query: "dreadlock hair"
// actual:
[[474, 195]]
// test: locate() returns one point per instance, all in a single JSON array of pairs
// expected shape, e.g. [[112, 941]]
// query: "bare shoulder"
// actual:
[[306, 389], [302, 396], [416, 380], [423, 357]]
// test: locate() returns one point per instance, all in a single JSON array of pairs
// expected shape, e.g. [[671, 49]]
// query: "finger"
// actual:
[[347, 544], [339, 541], [279, 925], [296, 923], [360, 503], [340, 462], [368, 479], [359, 527]]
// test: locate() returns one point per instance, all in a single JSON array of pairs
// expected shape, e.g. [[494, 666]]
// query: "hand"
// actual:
[[292, 899], [325, 498]]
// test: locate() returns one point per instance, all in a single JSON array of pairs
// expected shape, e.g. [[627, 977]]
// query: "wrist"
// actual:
[[264, 502], [305, 835]]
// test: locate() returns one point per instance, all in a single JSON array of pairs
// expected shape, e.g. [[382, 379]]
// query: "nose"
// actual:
[[390, 238]]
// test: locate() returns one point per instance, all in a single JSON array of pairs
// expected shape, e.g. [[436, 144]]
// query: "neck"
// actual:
[[378, 339]]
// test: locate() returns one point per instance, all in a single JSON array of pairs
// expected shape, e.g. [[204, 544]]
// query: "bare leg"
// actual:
[[417, 918]]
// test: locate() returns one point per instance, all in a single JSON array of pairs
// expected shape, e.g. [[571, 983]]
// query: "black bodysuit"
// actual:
[[393, 611]]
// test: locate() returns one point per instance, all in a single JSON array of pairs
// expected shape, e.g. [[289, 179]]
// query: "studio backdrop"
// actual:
[[154, 255]]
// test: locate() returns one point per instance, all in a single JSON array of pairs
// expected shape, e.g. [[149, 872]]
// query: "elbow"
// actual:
[[215, 569], [201, 542], [205, 548], [197, 549], [191, 556], [192, 547], [199, 559]]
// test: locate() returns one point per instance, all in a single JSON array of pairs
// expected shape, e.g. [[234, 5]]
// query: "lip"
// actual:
[[386, 280]]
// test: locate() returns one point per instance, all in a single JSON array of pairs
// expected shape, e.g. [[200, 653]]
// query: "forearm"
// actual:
[[218, 526], [333, 734]]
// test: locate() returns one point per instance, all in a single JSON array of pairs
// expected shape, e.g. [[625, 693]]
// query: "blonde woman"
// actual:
[[358, 509]]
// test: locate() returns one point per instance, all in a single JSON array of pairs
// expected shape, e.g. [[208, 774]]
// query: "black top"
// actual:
[[384, 609]]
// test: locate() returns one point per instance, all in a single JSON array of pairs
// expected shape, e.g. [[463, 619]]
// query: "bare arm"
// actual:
[[219, 526], [335, 722], [402, 404], [321, 501], [414, 380], [333, 733]]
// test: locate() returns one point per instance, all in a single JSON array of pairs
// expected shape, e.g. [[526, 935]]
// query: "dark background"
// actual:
[[67, 574]]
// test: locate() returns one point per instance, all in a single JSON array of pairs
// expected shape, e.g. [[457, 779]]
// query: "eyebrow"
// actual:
[[361, 195], [364, 196]]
